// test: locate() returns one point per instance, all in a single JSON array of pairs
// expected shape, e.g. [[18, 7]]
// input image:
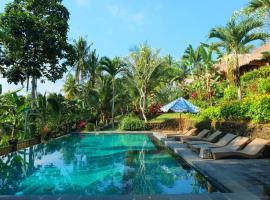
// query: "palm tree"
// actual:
[[234, 37], [81, 51], [192, 58], [93, 64], [104, 93], [71, 88], [113, 68], [262, 6], [206, 53]]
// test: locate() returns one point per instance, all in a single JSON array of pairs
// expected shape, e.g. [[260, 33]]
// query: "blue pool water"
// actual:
[[98, 165]]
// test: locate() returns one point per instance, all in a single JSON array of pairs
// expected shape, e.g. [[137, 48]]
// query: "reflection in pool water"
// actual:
[[98, 165]]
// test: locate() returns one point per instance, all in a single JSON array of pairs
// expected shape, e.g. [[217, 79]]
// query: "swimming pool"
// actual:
[[106, 164]]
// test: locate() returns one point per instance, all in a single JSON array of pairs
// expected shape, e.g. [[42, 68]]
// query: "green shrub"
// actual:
[[4, 140], [230, 93], [264, 85], [263, 72], [232, 110], [212, 113], [253, 108], [90, 127], [259, 109], [132, 123]]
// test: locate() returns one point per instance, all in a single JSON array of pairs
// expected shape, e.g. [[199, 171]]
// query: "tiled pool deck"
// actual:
[[246, 179]]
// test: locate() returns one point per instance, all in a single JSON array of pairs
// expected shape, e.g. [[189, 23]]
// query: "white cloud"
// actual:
[[125, 15]]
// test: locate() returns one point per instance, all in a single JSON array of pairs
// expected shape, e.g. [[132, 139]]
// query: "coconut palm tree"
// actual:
[[206, 53], [71, 88], [192, 58], [235, 36], [93, 65], [261, 6], [113, 68], [104, 96], [81, 53]]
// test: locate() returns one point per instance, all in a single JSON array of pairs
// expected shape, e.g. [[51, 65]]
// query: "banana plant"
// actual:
[[12, 111]]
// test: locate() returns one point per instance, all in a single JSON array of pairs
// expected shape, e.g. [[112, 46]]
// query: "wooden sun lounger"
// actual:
[[168, 133], [201, 135], [221, 143], [253, 150], [236, 144], [210, 138], [177, 134]]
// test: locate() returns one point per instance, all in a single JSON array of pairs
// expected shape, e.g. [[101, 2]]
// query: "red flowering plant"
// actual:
[[155, 109], [81, 125], [45, 129], [194, 95]]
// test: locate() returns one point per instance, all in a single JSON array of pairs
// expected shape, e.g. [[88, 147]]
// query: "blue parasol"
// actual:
[[180, 105]]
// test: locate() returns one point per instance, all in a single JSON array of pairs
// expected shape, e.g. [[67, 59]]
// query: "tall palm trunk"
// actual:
[[93, 80], [237, 76], [34, 90], [113, 103]]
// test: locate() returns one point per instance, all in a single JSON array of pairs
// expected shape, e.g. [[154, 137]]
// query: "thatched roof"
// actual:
[[244, 59]]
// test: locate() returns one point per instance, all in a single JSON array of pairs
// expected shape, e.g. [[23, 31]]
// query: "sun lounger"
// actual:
[[185, 133], [211, 138], [168, 133], [221, 143], [253, 150], [236, 144], [201, 135]]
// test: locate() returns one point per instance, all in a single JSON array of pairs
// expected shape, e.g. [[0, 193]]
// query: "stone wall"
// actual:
[[242, 128], [20, 145]]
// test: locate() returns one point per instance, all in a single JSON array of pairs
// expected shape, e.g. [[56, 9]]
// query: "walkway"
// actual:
[[244, 178]]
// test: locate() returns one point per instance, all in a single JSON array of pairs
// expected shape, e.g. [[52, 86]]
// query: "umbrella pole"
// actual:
[[180, 128]]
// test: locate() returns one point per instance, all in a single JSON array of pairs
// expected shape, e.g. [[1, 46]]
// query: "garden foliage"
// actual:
[[132, 123]]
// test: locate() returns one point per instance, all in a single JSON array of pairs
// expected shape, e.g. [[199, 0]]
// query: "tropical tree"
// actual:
[[261, 6], [234, 37], [192, 58], [81, 56], [39, 47], [71, 88], [12, 111], [142, 64], [113, 68], [104, 89], [206, 53], [93, 66], [88, 97]]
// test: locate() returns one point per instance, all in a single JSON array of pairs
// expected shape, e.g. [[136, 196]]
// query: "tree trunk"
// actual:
[[27, 84], [143, 103], [113, 104], [34, 90], [207, 76], [237, 77]]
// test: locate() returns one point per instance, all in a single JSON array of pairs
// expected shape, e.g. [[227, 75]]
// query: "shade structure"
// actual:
[[180, 105]]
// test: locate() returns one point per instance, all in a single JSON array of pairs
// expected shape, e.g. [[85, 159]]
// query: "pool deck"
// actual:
[[243, 178]]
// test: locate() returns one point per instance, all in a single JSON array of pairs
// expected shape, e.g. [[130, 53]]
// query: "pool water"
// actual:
[[108, 164]]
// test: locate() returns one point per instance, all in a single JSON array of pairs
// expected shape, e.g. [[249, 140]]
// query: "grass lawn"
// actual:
[[161, 118]]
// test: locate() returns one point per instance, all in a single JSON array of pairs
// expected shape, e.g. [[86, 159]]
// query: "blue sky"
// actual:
[[115, 26]]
